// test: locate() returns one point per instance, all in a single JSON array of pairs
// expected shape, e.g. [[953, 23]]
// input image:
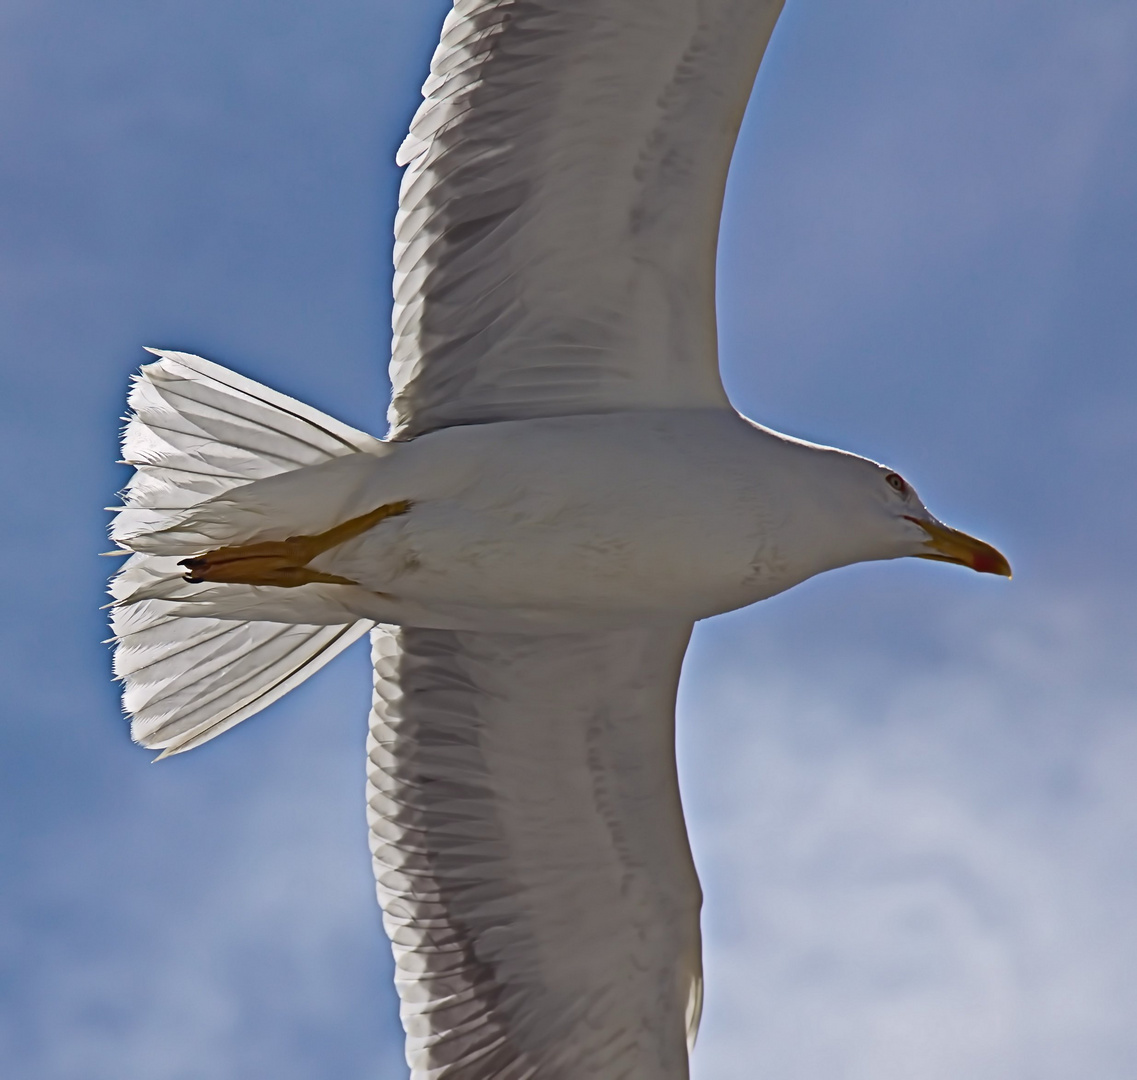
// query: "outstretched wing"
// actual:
[[531, 855], [557, 224]]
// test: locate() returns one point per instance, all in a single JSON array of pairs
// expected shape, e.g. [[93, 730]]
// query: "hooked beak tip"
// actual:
[[951, 545]]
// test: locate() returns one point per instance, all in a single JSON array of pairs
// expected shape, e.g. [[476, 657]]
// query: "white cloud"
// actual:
[[930, 880]]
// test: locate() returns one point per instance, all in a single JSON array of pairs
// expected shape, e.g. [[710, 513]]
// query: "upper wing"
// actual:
[[557, 225], [531, 855]]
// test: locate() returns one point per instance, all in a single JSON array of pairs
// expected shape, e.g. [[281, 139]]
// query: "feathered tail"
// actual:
[[195, 661]]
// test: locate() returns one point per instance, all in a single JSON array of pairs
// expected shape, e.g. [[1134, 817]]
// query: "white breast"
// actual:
[[632, 512]]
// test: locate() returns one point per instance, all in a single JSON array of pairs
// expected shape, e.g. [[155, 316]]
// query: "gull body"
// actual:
[[689, 513], [585, 521], [563, 491]]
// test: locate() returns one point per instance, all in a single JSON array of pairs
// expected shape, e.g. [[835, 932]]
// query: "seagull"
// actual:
[[564, 490]]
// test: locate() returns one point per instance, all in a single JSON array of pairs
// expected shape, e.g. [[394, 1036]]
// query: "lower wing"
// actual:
[[530, 852]]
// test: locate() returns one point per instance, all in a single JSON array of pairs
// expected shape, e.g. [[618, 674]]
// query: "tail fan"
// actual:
[[194, 662]]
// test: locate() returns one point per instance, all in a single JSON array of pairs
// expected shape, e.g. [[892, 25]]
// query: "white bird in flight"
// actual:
[[563, 491]]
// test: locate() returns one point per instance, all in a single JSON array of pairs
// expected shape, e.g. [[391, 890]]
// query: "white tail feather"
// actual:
[[195, 660]]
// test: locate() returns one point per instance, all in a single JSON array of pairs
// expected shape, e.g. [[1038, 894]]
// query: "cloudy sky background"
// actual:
[[911, 790]]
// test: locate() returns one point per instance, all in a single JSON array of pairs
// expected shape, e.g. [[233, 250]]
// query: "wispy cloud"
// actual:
[[919, 869]]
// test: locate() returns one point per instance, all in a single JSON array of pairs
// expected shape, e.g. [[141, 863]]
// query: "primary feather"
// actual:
[[530, 852], [558, 217]]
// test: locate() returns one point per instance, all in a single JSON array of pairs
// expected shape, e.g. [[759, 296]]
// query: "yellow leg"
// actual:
[[284, 563]]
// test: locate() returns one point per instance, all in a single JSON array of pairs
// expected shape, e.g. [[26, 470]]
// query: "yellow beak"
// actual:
[[951, 545]]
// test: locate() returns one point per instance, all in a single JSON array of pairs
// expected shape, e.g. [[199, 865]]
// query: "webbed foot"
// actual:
[[284, 563]]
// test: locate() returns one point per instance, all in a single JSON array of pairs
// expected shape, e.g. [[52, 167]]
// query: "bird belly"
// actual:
[[455, 555], [574, 516]]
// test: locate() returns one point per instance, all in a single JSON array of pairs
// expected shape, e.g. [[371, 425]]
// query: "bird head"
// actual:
[[884, 518], [935, 540], [843, 509]]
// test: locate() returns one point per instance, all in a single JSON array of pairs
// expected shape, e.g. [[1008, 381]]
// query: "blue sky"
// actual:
[[910, 789]]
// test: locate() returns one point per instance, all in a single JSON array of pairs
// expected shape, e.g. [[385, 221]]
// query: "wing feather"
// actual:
[[558, 217], [530, 852]]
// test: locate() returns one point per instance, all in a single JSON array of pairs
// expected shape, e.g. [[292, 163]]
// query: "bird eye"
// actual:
[[896, 482]]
